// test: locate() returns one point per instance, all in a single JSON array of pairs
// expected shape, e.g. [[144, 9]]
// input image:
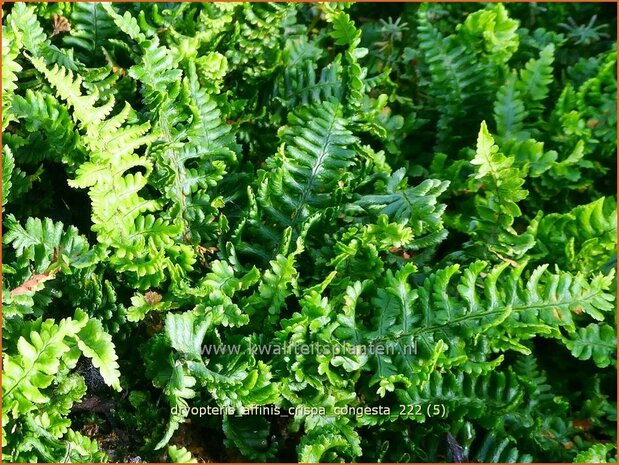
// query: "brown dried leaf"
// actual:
[[61, 24]]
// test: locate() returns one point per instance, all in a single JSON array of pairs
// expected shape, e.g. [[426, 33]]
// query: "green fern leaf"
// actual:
[[416, 207], [8, 165], [91, 27], [536, 77], [597, 342], [582, 239], [310, 164], [329, 442], [97, 345], [179, 454]]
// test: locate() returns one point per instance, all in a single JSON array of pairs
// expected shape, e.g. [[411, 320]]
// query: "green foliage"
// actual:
[[38, 391], [180, 455], [354, 232], [313, 158], [91, 29]]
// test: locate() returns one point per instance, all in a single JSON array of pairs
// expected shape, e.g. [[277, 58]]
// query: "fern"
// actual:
[[250, 437], [10, 68], [328, 443], [536, 77], [180, 455], [50, 129], [415, 206], [91, 28], [30, 34], [497, 208], [313, 158], [581, 239], [301, 85], [295, 217], [117, 206], [596, 341], [540, 305], [486, 398], [494, 449], [454, 77], [8, 165], [31, 369]]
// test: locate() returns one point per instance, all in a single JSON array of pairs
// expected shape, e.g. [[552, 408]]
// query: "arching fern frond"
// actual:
[[446, 313], [27, 29], [114, 190], [68, 87]]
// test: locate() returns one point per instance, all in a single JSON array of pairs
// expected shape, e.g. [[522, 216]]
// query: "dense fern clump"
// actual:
[[318, 232]]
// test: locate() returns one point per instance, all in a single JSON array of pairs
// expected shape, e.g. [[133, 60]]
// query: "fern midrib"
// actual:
[[95, 25], [300, 93]]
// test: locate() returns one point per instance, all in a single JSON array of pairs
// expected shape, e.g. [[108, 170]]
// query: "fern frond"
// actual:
[[300, 84], [504, 181], [27, 28], [51, 130], [256, 46], [344, 30], [454, 75], [510, 308], [10, 68], [597, 342], [35, 367], [582, 239], [485, 397], [536, 77], [597, 100], [114, 191], [277, 283], [8, 165], [330, 442], [493, 31], [40, 243], [68, 87], [250, 435], [497, 207], [416, 207], [494, 450], [97, 345], [91, 27], [509, 110], [314, 157], [41, 351], [179, 454]]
